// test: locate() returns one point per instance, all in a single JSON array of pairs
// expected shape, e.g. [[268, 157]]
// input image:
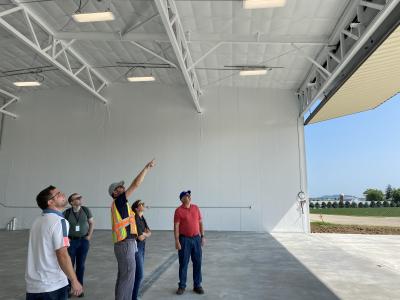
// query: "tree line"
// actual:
[[347, 204], [390, 194], [374, 198]]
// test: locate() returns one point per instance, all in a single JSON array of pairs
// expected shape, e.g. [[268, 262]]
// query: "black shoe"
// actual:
[[81, 295], [180, 291], [198, 290]]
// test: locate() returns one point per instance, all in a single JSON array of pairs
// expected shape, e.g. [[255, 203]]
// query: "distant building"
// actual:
[[333, 198]]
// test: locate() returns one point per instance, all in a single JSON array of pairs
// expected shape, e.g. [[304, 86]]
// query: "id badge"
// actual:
[[77, 228]]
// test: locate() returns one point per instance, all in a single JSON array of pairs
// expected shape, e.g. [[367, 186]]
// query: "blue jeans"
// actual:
[[78, 251], [190, 248], [60, 294], [139, 256]]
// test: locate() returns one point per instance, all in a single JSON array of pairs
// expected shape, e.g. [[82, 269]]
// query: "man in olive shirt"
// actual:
[[81, 228]]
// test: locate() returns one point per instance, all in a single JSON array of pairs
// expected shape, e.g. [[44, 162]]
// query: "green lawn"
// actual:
[[363, 212]]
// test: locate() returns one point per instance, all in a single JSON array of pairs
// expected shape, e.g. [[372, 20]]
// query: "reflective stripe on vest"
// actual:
[[118, 224]]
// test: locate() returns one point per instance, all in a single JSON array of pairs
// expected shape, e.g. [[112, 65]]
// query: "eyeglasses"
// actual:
[[77, 198], [56, 195], [119, 187], [141, 203]]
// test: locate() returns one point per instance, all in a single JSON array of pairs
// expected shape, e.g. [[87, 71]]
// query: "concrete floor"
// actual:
[[238, 265]]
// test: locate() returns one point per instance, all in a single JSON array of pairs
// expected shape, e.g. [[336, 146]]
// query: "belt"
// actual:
[[77, 238], [189, 237]]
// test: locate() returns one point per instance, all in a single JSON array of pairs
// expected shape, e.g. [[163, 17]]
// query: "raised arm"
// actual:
[[139, 178]]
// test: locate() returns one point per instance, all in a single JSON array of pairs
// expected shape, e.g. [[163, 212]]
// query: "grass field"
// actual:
[[362, 212], [323, 227]]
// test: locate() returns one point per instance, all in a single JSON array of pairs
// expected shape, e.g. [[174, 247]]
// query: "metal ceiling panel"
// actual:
[[206, 23], [299, 19]]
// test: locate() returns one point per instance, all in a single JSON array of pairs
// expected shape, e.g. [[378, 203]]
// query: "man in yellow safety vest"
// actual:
[[124, 233]]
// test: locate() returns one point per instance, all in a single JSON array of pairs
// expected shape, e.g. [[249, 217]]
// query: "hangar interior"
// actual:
[[218, 92]]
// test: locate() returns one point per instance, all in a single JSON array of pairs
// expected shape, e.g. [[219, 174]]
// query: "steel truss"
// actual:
[[12, 98], [172, 23], [356, 27], [56, 51]]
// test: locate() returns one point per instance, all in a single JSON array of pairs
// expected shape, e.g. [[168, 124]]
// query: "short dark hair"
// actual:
[[44, 196], [70, 197], [135, 205]]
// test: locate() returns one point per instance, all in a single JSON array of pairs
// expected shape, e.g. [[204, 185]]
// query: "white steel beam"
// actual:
[[349, 34], [32, 31], [132, 25], [257, 39], [12, 100], [111, 36], [172, 23], [154, 54], [205, 55], [46, 27], [323, 74], [101, 87], [372, 5], [10, 11], [66, 49], [318, 65], [334, 57], [63, 48], [195, 38], [79, 70]]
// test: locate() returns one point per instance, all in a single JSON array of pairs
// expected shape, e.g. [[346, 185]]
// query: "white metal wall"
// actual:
[[242, 151]]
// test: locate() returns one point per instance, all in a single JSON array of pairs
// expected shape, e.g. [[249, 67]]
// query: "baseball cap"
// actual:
[[114, 185], [182, 194]]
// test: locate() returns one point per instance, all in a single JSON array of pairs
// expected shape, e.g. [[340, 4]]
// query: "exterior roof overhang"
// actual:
[[369, 80]]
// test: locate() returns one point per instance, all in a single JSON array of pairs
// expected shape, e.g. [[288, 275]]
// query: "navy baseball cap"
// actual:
[[183, 194]]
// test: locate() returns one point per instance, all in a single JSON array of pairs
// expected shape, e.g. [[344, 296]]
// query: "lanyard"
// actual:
[[79, 215]]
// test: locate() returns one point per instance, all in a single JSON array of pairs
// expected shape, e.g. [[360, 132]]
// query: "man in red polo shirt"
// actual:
[[189, 238]]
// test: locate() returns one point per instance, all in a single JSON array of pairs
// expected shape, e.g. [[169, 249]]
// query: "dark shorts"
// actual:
[[60, 294]]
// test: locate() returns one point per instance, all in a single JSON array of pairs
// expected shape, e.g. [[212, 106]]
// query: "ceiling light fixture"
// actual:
[[27, 83], [253, 72], [253, 4], [141, 78], [93, 17]]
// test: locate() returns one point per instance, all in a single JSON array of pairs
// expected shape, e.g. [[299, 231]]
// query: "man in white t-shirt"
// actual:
[[49, 264]]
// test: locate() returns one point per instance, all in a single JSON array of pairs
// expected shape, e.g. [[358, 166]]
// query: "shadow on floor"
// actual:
[[236, 265]]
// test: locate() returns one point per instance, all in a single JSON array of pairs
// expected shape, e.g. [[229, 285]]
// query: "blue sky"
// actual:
[[350, 154]]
